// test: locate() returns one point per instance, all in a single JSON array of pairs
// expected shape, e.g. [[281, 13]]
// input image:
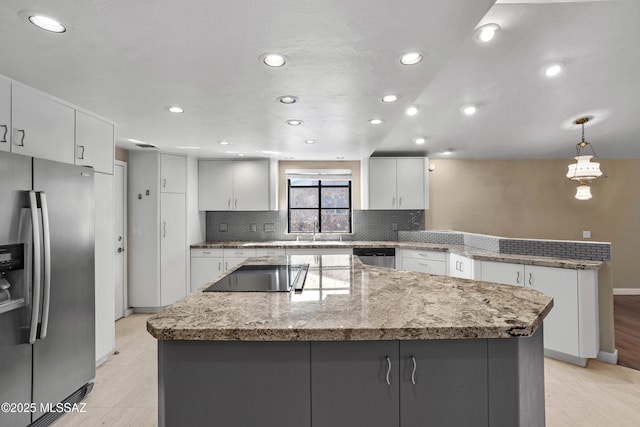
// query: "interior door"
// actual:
[[120, 227]]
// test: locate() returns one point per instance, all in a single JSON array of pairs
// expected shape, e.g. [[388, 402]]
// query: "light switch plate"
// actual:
[[269, 228], [586, 234], [394, 226], [254, 228], [222, 227]]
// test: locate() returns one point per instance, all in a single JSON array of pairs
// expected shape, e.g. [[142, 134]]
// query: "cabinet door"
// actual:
[[382, 184], [42, 127], [251, 185], [205, 270], [561, 332], [460, 266], [410, 184], [5, 115], [173, 174], [443, 383], [349, 384], [173, 248], [215, 185], [503, 272], [94, 143]]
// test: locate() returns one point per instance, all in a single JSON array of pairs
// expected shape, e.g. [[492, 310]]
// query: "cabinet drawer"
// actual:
[[239, 253], [206, 253], [431, 255], [424, 266], [270, 252]]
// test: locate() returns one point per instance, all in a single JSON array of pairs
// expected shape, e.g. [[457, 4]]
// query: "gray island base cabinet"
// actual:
[[460, 382]]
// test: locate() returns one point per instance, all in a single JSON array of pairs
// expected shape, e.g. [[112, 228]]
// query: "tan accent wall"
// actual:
[[338, 164], [533, 199], [122, 154]]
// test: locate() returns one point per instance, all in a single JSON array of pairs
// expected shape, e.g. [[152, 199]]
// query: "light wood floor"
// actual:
[[125, 393]]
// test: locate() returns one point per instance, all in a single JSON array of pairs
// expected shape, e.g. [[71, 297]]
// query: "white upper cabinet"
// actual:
[[173, 174], [398, 183], [5, 115], [94, 143], [225, 185], [251, 185], [42, 127]]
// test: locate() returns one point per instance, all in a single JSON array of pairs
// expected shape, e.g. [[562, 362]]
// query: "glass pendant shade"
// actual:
[[583, 192], [584, 170]]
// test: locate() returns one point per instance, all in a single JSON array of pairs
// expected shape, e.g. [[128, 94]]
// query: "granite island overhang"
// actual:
[[354, 329]]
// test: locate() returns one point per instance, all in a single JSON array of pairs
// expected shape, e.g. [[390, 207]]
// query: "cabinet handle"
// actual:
[[81, 155], [226, 265], [423, 264], [400, 202], [164, 183], [4, 137], [518, 278], [393, 202], [388, 370], [236, 204], [164, 229], [461, 267], [413, 372], [531, 278], [219, 266], [21, 139], [206, 252]]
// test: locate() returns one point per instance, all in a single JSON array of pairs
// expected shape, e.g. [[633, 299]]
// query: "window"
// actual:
[[320, 206]]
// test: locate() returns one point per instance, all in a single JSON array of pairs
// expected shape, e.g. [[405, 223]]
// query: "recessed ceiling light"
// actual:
[[294, 122], [375, 121], [47, 23], [389, 98], [420, 141], [274, 59], [411, 58], [487, 32], [288, 158], [339, 157], [175, 109], [240, 155], [310, 141], [288, 99], [553, 70], [412, 111], [448, 152], [223, 143], [469, 110]]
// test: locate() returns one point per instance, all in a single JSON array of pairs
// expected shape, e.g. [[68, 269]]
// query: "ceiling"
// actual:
[[128, 60]]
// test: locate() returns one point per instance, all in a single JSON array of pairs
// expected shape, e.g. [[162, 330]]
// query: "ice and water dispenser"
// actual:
[[12, 292]]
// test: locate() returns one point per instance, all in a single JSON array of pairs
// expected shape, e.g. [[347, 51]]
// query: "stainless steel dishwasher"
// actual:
[[382, 257]]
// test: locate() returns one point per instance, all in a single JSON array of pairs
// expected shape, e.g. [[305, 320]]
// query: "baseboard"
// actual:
[[146, 310], [608, 357], [626, 291], [102, 360], [128, 312], [574, 360]]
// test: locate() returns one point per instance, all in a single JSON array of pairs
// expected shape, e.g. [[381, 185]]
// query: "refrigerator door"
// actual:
[[15, 352], [64, 359]]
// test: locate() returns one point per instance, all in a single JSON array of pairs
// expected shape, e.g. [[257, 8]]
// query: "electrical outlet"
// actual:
[[394, 226], [222, 227], [586, 234], [254, 228]]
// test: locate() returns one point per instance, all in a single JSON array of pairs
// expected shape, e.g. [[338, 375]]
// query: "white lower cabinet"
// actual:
[[431, 262], [233, 257], [173, 243], [571, 328], [271, 252], [206, 265], [461, 266]]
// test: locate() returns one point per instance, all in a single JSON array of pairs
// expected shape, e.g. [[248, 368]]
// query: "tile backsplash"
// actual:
[[272, 225]]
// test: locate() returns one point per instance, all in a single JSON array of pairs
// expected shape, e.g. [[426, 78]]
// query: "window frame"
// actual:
[[319, 208]]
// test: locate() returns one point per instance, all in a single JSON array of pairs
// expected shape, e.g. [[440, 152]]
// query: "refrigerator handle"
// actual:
[[47, 265], [37, 263]]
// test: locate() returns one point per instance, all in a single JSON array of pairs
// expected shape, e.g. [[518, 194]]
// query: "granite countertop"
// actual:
[[467, 251], [345, 300]]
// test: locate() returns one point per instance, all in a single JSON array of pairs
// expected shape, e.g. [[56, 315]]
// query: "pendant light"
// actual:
[[584, 170]]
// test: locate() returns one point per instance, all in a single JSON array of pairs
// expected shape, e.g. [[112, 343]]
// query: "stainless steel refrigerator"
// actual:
[[47, 306]]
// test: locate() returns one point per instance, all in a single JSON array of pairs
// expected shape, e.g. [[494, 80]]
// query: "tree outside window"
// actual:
[[321, 205]]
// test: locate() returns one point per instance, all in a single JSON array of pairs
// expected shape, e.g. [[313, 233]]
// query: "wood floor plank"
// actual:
[[626, 312]]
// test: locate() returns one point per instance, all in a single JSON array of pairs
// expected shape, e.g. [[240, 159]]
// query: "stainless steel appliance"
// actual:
[[47, 320], [382, 257], [263, 278]]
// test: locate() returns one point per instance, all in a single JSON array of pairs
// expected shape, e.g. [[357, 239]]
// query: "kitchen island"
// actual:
[[360, 346]]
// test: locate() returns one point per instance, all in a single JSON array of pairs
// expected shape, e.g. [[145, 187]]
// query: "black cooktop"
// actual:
[[263, 278]]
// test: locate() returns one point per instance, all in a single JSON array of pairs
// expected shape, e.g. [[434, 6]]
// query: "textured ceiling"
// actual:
[[128, 60]]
